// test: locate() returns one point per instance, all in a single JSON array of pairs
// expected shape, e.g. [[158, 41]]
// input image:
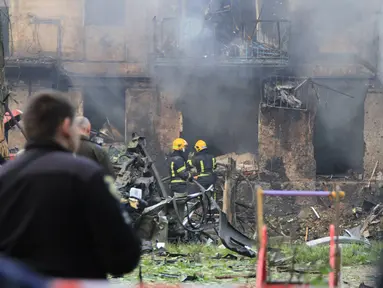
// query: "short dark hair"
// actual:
[[44, 113]]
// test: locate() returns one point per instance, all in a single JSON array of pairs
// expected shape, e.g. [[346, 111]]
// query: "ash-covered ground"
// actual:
[[295, 218]]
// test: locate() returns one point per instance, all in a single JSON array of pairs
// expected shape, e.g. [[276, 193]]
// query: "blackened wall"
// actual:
[[223, 111], [338, 135], [105, 102]]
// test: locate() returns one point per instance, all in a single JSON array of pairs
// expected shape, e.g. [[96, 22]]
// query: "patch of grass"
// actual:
[[199, 262], [352, 254]]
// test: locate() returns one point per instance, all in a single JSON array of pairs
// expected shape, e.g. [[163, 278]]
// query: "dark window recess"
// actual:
[[105, 13], [4, 18]]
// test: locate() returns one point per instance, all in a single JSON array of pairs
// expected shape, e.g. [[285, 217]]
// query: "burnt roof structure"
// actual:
[[220, 34]]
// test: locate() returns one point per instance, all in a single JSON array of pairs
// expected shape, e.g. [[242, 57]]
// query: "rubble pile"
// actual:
[[245, 162], [307, 226], [297, 220], [285, 216]]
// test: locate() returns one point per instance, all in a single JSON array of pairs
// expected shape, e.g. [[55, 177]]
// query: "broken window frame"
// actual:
[[275, 81]]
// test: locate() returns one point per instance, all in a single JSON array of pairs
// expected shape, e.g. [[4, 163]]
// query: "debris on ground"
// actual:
[[362, 285], [305, 222], [283, 215], [245, 162], [341, 240]]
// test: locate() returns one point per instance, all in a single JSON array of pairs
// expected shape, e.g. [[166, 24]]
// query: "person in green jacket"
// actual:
[[90, 149]]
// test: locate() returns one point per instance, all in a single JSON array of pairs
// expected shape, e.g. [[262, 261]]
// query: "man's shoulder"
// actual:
[[53, 163], [92, 145], [71, 161], [84, 162], [87, 143], [79, 166], [98, 148], [100, 152]]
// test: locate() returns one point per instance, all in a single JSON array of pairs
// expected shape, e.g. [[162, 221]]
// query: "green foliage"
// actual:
[[352, 254], [201, 264]]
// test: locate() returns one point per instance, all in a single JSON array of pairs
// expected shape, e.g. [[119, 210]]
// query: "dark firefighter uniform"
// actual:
[[58, 217], [179, 175], [205, 165]]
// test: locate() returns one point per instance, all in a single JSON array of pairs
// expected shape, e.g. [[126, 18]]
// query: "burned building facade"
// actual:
[[186, 68], [86, 48]]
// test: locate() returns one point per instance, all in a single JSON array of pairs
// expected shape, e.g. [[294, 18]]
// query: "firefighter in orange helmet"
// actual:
[[179, 176], [205, 164]]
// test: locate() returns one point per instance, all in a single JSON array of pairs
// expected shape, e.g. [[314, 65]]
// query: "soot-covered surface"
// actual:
[[105, 102], [222, 112], [338, 134]]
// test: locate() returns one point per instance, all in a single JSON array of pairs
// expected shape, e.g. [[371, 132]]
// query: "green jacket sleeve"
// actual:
[[104, 161]]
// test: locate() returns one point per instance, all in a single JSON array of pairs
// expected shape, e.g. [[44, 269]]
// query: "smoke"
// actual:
[[337, 34], [341, 27], [380, 50], [115, 45], [338, 135], [220, 104], [217, 106]]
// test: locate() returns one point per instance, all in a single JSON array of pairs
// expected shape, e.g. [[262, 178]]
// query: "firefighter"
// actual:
[[179, 176], [204, 163]]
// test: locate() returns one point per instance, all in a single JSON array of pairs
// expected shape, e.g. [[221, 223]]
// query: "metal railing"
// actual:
[[287, 93], [265, 41]]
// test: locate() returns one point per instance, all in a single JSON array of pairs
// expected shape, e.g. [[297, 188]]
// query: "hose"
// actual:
[[180, 221], [194, 229]]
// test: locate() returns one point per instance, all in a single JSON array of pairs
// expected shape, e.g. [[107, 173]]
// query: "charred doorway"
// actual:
[[105, 102], [222, 112], [338, 135]]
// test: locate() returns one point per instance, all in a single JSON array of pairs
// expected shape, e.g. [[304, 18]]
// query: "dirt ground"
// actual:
[[352, 276], [355, 275]]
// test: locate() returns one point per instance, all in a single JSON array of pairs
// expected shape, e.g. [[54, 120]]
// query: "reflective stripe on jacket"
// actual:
[[204, 162], [178, 170]]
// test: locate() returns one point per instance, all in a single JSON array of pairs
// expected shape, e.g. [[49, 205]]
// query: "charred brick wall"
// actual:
[[19, 99], [286, 144], [168, 121], [81, 38], [76, 98], [373, 132], [152, 113], [140, 108]]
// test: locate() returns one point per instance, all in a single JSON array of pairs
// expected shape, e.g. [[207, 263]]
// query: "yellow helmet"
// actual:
[[200, 145], [179, 144]]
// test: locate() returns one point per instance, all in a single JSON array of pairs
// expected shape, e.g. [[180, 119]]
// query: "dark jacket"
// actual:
[[93, 151], [57, 215], [177, 168], [2, 160], [204, 163]]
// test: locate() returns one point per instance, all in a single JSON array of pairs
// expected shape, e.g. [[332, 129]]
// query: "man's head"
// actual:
[[83, 125], [49, 117]]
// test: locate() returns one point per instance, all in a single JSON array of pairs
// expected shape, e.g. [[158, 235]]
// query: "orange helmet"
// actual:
[[179, 144], [200, 145]]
